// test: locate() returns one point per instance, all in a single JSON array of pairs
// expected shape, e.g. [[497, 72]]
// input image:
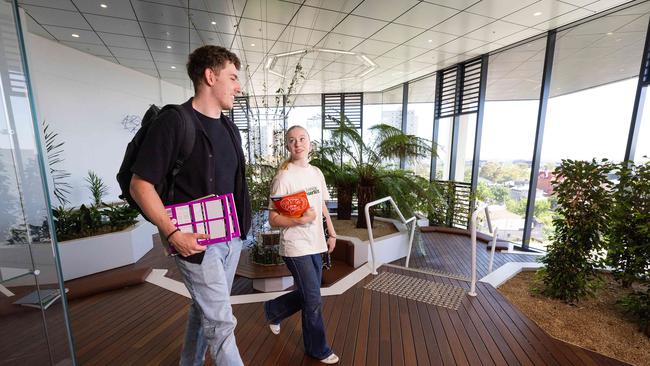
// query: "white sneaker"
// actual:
[[275, 328], [331, 359]]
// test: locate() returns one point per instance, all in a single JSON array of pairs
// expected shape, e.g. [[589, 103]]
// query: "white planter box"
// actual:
[[387, 248], [82, 257]]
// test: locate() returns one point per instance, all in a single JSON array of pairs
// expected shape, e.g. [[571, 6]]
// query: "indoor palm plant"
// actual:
[[368, 163]]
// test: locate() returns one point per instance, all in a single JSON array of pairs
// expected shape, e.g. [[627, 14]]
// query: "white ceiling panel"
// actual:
[[108, 24], [223, 23], [118, 9], [259, 29], [385, 63], [374, 48], [455, 4], [340, 42], [343, 6], [397, 33], [123, 41], [130, 53], [34, 27], [169, 33], [171, 58], [59, 18], [386, 10], [541, 11], [224, 7], [54, 4], [302, 36], [514, 38], [216, 38], [316, 18], [270, 10], [405, 52], [93, 49], [430, 40], [162, 14], [406, 39], [359, 26], [459, 45], [433, 57], [65, 34], [135, 63], [499, 9], [495, 31], [564, 19], [462, 23], [425, 15], [176, 47]]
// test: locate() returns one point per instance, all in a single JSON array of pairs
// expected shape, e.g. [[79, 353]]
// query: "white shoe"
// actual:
[[331, 359], [275, 328]]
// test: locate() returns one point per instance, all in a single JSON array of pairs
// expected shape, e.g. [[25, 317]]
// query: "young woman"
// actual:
[[301, 244]]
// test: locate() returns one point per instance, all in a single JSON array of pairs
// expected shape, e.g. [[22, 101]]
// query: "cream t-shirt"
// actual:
[[309, 238]]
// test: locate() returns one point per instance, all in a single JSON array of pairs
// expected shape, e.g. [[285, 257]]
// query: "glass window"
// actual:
[[465, 149], [509, 122], [419, 120], [642, 153], [443, 148], [592, 95]]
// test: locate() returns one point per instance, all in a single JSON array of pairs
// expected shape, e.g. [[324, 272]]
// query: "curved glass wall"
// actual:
[[29, 267], [591, 99], [509, 121], [419, 119]]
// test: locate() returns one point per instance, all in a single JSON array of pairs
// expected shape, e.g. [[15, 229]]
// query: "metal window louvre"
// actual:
[[471, 82], [337, 105], [446, 93], [239, 113]]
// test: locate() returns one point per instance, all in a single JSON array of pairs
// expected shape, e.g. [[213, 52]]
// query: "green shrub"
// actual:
[[582, 191], [629, 229]]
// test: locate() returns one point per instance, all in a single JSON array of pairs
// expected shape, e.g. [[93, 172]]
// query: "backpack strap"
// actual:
[[186, 134]]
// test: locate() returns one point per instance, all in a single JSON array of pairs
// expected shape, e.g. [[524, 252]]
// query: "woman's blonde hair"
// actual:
[[285, 164]]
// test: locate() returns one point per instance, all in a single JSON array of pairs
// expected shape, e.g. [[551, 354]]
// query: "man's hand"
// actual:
[[331, 244], [185, 243], [307, 217]]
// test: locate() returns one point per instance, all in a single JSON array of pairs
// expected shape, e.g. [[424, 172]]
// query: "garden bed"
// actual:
[[595, 323], [348, 228]]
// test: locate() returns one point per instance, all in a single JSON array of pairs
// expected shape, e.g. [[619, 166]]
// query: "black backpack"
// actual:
[[166, 188]]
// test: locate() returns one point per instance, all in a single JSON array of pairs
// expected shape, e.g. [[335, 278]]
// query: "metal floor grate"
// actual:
[[434, 272], [439, 294]]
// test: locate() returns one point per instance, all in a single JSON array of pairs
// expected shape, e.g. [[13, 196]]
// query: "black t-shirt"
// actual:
[[224, 151], [212, 167]]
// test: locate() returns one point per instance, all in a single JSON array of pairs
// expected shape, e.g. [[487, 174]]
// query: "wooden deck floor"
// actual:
[[144, 325]]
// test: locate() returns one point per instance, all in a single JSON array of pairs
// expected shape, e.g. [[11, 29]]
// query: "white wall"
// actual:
[[84, 99]]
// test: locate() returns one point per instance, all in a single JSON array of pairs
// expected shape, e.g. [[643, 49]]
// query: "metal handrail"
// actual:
[[371, 238], [494, 232]]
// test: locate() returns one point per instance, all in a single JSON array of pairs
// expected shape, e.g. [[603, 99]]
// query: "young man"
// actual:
[[215, 166]]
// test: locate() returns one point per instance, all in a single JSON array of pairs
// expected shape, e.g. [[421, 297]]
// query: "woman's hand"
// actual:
[[307, 217], [331, 244]]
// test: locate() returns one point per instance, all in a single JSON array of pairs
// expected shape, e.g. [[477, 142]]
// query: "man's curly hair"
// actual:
[[214, 57]]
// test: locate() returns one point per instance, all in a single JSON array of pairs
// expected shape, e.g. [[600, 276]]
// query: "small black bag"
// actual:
[[166, 188], [327, 259]]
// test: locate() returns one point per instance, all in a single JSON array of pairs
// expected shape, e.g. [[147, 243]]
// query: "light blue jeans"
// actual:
[[211, 322]]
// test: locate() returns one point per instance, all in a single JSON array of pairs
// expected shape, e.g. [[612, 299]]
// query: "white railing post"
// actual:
[[472, 228], [494, 245], [371, 238]]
